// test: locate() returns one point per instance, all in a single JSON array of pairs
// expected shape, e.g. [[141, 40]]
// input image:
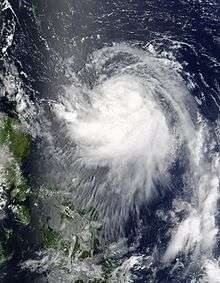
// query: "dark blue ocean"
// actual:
[[45, 45]]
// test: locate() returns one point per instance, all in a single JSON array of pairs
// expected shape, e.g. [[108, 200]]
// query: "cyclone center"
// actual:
[[123, 124]]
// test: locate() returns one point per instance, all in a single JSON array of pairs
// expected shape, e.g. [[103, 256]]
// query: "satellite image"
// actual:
[[109, 141]]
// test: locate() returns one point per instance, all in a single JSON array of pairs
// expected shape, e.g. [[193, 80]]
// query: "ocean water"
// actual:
[[121, 100]]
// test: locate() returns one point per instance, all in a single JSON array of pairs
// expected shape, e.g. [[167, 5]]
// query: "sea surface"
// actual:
[[121, 101]]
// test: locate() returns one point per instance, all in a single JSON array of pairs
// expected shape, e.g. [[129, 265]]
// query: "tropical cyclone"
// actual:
[[132, 125]]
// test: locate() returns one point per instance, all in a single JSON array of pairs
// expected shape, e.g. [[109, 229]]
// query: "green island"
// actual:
[[14, 146], [15, 142]]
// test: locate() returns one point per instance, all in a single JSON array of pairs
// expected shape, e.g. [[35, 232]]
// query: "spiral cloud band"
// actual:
[[130, 126]]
